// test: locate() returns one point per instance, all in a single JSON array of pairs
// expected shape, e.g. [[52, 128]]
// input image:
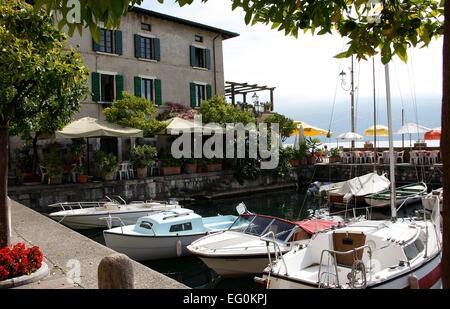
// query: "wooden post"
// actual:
[[115, 272]]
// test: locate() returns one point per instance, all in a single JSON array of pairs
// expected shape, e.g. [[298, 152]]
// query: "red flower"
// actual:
[[18, 260]]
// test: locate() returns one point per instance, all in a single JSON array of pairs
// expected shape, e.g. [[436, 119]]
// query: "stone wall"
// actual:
[[179, 186]]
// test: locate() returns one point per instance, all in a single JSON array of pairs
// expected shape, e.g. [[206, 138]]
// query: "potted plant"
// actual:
[[76, 150], [335, 155], [23, 160], [313, 144], [106, 164], [171, 166], [142, 157], [213, 164], [292, 156], [53, 166], [81, 171], [190, 165]]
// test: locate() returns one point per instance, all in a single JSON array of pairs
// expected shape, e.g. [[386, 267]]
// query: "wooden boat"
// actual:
[[408, 194], [428, 201]]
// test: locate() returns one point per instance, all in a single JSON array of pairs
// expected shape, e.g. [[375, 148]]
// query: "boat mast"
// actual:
[[374, 108], [391, 145], [352, 95]]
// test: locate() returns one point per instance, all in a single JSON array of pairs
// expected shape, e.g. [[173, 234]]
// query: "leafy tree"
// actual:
[[286, 125], [218, 110], [39, 77], [134, 112]]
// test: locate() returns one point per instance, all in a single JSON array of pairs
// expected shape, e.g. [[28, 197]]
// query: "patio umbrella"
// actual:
[[178, 125], [308, 129], [433, 134], [350, 136], [412, 128], [378, 130], [91, 127]]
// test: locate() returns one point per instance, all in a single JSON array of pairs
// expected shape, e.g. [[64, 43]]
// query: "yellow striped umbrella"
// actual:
[[308, 130], [378, 129]]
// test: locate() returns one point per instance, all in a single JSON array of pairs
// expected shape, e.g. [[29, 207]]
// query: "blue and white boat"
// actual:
[[164, 234]]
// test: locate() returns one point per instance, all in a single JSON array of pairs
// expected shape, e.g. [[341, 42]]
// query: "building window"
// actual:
[[200, 94], [198, 38], [107, 87], [110, 42], [146, 27], [147, 88], [147, 48], [200, 57]]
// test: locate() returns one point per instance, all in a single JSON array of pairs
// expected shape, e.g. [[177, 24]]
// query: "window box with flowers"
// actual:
[[20, 265]]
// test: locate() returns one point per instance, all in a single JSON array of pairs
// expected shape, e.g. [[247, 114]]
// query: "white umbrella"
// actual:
[[412, 128], [92, 127], [299, 139], [350, 136]]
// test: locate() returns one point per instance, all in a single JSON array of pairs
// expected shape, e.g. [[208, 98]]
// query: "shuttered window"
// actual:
[[147, 48], [199, 93], [110, 42], [106, 88], [200, 57], [148, 88]]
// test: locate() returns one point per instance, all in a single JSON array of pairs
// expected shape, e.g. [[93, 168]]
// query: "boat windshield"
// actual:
[[261, 225]]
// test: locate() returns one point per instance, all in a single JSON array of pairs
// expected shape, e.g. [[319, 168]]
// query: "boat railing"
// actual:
[[407, 199], [109, 221], [77, 205], [358, 265], [278, 253]]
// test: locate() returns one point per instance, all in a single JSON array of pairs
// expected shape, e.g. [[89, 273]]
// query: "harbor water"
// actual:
[[291, 205]]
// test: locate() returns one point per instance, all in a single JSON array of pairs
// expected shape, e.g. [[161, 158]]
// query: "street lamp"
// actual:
[[258, 107]]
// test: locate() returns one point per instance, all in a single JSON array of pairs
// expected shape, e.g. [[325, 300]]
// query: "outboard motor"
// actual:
[[313, 188]]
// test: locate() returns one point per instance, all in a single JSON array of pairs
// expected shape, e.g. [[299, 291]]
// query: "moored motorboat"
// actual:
[[90, 215], [241, 251], [354, 191], [404, 195], [367, 254], [164, 234], [429, 200]]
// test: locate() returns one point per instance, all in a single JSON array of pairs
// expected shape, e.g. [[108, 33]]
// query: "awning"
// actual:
[[316, 225], [92, 127]]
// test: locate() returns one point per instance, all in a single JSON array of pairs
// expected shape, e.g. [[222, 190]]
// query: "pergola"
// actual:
[[233, 88]]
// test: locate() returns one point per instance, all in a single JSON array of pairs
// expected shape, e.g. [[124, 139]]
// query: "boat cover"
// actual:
[[366, 184], [316, 225]]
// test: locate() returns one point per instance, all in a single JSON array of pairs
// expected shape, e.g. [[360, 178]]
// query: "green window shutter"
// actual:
[[137, 86], [119, 87], [95, 86], [118, 42], [208, 58], [158, 98], [193, 98], [192, 56], [137, 46], [157, 49], [208, 92]]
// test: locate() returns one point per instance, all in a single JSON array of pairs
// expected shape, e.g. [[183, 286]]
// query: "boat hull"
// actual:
[[428, 275], [385, 203], [146, 248]]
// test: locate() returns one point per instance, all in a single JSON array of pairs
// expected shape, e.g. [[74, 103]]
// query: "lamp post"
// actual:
[[343, 76], [257, 106]]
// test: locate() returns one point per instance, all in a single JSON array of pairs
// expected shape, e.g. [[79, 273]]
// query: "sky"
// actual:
[[306, 74]]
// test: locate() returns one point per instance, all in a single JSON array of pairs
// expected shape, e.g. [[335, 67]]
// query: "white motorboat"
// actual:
[[428, 201], [241, 251], [367, 254], [164, 234], [90, 215], [354, 190]]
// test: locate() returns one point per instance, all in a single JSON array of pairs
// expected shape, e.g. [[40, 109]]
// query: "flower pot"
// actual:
[[83, 178], [141, 172], [335, 159], [190, 168], [294, 162], [214, 167], [171, 170], [55, 180], [108, 176], [39, 274]]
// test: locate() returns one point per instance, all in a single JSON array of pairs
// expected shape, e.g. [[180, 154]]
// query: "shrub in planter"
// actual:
[[335, 155], [190, 166], [23, 160], [171, 166], [142, 157], [82, 176], [17, 261], [53, 163], [106, 164], [213, 164]]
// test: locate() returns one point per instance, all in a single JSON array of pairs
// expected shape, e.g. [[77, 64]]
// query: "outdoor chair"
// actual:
[[399, 156], [347, 157], [416, 157], [359, 157], [370, 156], [43, 171], [380, 157], [124, 171], [155, 169], [434, 156], [427, 157]]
